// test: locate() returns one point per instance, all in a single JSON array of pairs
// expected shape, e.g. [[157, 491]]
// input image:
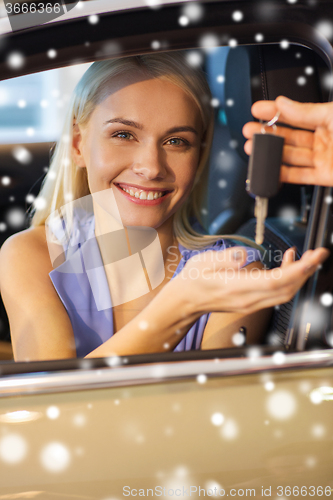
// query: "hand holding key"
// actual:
[[264, 173], [308, 153]]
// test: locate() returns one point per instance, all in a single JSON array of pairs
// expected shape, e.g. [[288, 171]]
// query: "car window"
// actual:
[[32, 110]]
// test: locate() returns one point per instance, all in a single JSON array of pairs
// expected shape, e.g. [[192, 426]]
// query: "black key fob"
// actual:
[[265, 164]]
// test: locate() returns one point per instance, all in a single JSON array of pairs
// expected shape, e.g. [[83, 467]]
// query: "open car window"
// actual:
[[32, 113], [238, 75]]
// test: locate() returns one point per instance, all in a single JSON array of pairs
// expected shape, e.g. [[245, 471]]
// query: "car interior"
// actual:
[[31, 109], [237, 77]]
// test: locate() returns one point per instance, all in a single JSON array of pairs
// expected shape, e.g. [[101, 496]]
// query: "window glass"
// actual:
[[32, 107], [32, 112]]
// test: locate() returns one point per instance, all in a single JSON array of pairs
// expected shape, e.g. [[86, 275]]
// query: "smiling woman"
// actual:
[[94, 275]]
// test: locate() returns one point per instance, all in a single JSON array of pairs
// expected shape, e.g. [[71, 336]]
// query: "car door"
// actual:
[[236, 422]]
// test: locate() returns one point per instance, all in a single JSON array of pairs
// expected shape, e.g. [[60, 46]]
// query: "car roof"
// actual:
[[92, 7]]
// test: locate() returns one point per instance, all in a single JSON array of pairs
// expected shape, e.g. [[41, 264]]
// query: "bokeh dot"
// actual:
[[52, 412], [15, 60], [13, 448], [217, 419], [284, 44], [51, 53], [281, 404], [237, 16], [55, 457], [326, 299], [93, 19], [183, 20]]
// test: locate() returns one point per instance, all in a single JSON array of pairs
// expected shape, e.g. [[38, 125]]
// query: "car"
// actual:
[[252, 421]]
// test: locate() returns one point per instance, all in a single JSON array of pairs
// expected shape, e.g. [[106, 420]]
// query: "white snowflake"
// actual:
[[55, 457], [301, 80], [183, 20], [15, 60], [230, 430], [259, 37], [217, 419], [281, 405], [93, 19], [325, 28], [22, 155], [51, 53], [13, 448], [52, 412], [155, 45], [15, 217], [237, 16], [5, 180], [284, 44], [193, 11]]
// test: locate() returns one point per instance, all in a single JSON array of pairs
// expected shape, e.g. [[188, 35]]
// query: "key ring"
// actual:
[[271, 123]]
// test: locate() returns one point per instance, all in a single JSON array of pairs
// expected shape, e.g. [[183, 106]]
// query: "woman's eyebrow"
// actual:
[[123, 121], [185, 128], [131, 123]]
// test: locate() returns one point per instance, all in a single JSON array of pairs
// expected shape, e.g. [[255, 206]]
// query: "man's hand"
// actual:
[[307, 154]]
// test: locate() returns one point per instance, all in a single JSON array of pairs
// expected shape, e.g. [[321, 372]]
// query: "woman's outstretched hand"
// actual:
[[307, 154], [215, 280]]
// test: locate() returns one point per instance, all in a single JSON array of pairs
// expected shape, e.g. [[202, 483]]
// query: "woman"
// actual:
[[134, 154]]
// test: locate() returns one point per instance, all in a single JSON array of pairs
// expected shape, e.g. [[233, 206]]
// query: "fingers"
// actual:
[[301, 115], [314, 258], [299, 138], [289, 256], [281, 287], [304, 115], [264, 110], [298, 157], [299, 175]]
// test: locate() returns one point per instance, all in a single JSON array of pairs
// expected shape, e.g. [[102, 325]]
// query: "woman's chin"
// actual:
[[135, 221]]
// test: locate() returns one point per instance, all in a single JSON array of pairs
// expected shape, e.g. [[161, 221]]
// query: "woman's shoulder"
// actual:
[[32, 238], [24, 251]]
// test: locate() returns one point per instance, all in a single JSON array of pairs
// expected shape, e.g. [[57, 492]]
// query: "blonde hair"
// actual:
[[66, 182]]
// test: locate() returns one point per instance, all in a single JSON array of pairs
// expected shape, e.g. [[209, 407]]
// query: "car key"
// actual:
[[264, 173]]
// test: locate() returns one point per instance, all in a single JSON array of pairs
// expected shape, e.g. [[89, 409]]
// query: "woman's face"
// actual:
[[143, 141]]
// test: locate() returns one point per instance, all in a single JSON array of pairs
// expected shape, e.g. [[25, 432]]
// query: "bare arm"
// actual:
[[40, 327]]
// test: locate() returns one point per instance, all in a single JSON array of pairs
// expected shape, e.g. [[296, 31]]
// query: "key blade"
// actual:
[[260, 213]]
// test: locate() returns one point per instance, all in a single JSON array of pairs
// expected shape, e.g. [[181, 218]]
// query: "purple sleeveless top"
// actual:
[[78, 291]]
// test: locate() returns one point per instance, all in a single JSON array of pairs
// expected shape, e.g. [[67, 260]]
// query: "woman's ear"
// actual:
[[77, 155]]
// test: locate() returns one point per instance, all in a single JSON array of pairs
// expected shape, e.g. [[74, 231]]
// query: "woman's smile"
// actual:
[[143, 196], [144, 142]]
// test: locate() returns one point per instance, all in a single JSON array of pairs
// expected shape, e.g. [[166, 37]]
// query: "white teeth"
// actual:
[[144, 195]]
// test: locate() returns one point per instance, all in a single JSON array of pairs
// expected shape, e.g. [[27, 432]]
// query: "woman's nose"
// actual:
[[150, 162]]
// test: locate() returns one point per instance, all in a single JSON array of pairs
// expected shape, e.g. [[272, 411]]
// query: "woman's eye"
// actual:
[[123, 135], [176, 141]]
